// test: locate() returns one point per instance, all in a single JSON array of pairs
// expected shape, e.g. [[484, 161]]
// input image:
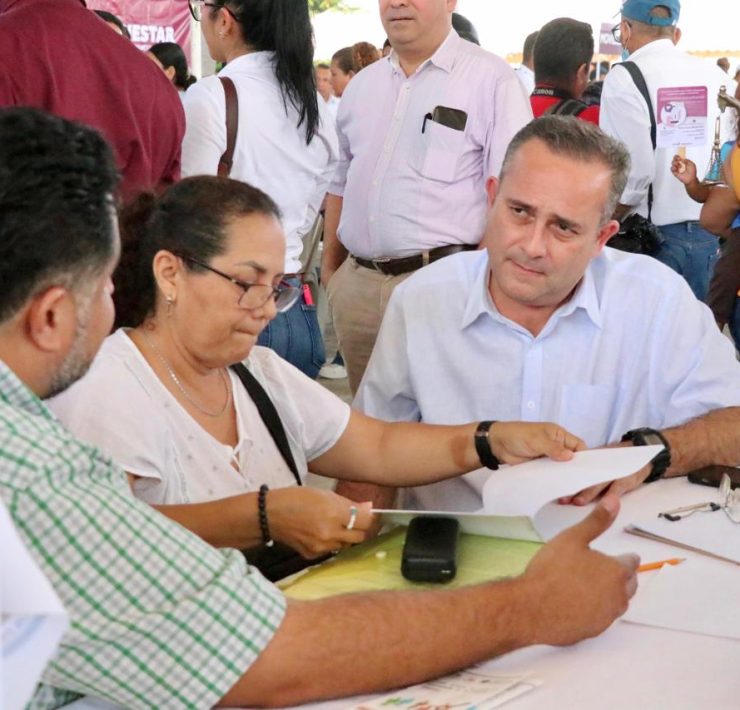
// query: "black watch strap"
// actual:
[[649, 437], [483, 446]]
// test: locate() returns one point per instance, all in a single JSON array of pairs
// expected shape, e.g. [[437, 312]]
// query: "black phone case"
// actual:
[[430, 550], [454, 118], [711, 475]]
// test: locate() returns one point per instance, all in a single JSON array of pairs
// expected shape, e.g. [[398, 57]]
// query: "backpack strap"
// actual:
[[567, 107], [269, 416], [639, 80], [232, 122]]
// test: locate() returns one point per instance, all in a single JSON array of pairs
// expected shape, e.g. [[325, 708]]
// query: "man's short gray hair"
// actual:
[[581, 140]]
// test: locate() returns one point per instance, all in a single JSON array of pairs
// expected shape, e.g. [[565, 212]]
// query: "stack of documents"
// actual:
[[685, 598]]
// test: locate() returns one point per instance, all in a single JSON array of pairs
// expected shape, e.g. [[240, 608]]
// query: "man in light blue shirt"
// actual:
[[548, 324]]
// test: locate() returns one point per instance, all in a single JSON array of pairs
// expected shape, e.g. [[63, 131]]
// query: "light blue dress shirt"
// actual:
[[632, 347]]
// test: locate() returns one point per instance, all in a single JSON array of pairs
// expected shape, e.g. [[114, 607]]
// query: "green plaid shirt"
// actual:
[[159, 619]]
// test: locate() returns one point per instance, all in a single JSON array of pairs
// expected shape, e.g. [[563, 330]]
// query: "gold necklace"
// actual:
[[180, 386]]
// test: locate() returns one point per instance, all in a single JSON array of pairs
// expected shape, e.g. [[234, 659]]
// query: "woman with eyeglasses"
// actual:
[[200, 276], [285, 145]]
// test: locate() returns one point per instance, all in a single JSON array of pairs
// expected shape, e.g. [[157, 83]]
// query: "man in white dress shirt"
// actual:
[[525, 71], [547, 324], [682, 87], [420, 132]]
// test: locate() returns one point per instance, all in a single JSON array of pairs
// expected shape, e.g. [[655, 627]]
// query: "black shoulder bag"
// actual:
[[636, 233], [279, 560]]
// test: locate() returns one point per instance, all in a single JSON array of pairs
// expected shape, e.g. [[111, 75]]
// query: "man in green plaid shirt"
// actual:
[[159, 619]]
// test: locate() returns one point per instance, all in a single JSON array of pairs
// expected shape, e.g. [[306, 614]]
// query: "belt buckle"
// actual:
[[381, 261]]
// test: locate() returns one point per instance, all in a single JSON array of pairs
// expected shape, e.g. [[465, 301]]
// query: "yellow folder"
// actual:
[[376, 565]]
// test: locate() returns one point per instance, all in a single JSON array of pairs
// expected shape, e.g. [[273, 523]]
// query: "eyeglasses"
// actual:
[[729, 502], [196, 8], [255, 295], [617, 30]]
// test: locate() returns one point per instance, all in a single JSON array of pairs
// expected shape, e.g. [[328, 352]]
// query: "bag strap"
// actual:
[[232, 122], [269, 416], [639, 80], [567, 107]]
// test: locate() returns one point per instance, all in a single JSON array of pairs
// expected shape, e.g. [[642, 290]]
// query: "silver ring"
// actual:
[[352, 517]]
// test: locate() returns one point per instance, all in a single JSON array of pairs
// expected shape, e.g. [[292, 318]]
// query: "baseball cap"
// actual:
[[639, 10]]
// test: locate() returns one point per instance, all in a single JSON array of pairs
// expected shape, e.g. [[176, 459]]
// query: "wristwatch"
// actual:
[[483, 446], [649, 437]]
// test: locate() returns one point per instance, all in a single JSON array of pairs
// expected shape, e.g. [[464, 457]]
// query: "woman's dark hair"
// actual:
[[283, 27], [170, 54], [344, 60], [189, 220], [110, 17]]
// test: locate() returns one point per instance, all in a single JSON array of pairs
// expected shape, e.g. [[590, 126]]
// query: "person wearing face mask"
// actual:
[[648, 33]]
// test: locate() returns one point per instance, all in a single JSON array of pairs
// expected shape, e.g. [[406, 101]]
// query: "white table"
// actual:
[[629, 666]]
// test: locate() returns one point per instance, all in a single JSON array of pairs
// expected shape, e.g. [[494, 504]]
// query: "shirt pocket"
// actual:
[[588, 411], [440, 151]]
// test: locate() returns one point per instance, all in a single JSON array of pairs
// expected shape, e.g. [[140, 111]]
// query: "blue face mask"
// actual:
[[625, 54]]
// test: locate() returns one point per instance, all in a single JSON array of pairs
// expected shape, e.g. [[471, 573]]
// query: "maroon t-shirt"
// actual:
[[542, 102], [59, 56]]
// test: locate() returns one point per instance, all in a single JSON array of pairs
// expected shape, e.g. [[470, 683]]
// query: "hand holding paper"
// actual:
[[513, 495]]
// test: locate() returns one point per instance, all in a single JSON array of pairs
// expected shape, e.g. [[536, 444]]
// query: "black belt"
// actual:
[[406, 264]]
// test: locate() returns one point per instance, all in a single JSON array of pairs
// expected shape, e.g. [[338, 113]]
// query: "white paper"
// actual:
[[712, 533], [513, 495], [32, 620], [523, 489], [473, 689], [690, 598]]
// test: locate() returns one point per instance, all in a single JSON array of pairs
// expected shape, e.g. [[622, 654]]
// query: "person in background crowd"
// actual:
[[724, 64], [387, 49], [648, 31], [419, 133], [172, 61], [113, 22], [525, 71], [322, 73], [547, 323], [342, 70], [562, 59], [592, 93], [363, 55], [55, 55], [286, 144], [465, 28], [160, 618], [720, 215], [598, 70]]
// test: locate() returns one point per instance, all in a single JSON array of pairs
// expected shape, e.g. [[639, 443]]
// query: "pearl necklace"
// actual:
[[181, 387]]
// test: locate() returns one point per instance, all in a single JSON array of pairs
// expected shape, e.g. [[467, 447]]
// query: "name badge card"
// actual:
[[682, 116]]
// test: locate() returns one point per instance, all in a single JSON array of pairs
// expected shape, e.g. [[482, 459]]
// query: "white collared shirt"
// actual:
[[624, 115], [123, 407], [271, 151], [526, 76], [633, 347], [406, 191]]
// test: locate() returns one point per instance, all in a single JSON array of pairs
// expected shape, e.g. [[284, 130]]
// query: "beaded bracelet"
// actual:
[[262, 510]]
